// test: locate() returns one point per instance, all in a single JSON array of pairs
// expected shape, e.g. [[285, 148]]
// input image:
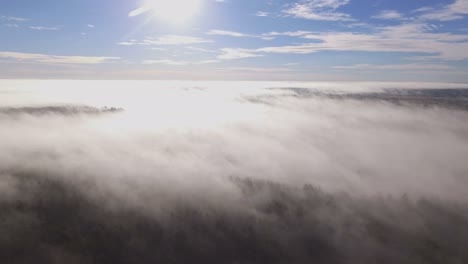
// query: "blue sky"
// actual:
[[339, 40]]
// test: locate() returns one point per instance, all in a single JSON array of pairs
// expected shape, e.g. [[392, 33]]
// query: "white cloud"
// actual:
[[423, 9], [319, 10], [298, 33], [389, 15], [91, 26], [54, 59], [178, 62], [157, 48], [167, 62], [129, 43], [208, 61], [227, 33], [139, 11], [238, 34], [255, 69], [453, 11], [265, 36], [262, 14], [40, 28], [15, 19], [237, 53], [198, 49], [412, 37], [177, 40], [411, 66], [12, 25], [167, 40], [13, 22]]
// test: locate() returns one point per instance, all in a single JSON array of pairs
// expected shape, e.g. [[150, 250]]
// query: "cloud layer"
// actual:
[[225, 172], [54, 59]]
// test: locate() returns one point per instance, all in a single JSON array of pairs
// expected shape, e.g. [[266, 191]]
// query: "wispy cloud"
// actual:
[[237, 34], [237, 53], [265, 36], [262, 14], [298, 33], [178, 62], [13, 22], [453, 11], [139, 11], [167, 40], [54, 59], [15, 19], [130, 43], [399, 67], [40, 28], [411, 37], [198, 49], [255, 69], [319, 10], [389, 15], [12, 25], [227, 33], [415, 35]]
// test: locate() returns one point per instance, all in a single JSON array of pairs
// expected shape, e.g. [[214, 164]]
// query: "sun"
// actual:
[[174, 11]]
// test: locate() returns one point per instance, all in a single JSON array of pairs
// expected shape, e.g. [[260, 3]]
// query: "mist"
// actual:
[[233, 172]]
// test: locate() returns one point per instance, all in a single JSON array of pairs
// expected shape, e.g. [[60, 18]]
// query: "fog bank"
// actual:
[[233, 172]]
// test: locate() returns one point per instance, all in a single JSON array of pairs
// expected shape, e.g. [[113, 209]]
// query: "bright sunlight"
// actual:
[[174, 11]]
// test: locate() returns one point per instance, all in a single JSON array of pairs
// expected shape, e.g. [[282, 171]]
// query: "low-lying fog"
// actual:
[[233, 172]]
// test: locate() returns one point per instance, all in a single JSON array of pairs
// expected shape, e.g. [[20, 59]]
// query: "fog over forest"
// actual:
[[233, 172]]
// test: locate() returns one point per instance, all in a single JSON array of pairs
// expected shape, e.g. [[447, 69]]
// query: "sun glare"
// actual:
[[174, 11]]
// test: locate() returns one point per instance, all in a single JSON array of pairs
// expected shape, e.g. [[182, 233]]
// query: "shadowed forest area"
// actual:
[[56, 222]]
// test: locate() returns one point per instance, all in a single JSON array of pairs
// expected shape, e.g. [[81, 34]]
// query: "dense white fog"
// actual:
[[193, 136], [147, 146]]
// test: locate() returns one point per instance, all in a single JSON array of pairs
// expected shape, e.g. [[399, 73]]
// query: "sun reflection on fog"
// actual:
[[149, 105]]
